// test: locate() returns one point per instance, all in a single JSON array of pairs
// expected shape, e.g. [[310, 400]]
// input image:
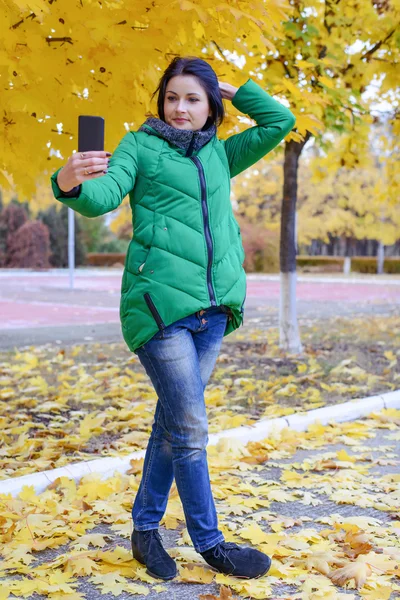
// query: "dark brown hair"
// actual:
[[191, 65]]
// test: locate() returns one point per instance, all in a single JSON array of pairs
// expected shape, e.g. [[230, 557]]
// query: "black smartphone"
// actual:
[[90, 133]]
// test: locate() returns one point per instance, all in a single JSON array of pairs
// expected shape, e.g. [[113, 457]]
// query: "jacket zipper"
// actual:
[[154, 311], [204, 207]]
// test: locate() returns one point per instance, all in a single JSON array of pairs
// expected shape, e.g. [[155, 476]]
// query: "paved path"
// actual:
[[373, 486], [37, 307]]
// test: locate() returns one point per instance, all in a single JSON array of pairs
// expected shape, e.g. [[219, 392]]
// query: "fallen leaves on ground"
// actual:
[[324, 557], [225, 594], [59, 406]]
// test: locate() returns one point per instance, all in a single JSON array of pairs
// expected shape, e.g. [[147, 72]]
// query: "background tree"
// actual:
[[29, 246], [347, 204], [85, 48], [352, 203], [12, 217], [257, 193], [330, 53], [319, 57], [56, 219]]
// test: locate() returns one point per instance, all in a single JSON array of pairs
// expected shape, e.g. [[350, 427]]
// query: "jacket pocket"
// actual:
[[139, 260], [154, 311], [138, 254]]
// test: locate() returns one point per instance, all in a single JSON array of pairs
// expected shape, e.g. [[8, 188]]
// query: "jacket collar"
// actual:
[[189, 141]]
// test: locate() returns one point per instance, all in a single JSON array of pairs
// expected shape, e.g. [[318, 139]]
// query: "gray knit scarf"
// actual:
[[179, 137]]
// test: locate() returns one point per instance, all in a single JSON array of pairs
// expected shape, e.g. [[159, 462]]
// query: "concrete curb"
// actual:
[[106, 467]]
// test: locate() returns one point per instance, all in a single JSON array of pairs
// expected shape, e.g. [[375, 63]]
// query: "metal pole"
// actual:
[[380, 258], [71, 247]]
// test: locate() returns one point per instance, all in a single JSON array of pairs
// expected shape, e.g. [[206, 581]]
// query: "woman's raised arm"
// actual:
[[274, 122], [104, 192]]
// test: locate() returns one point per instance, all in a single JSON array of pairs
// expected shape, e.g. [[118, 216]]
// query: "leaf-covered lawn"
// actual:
[[76, 403], [324, 504]]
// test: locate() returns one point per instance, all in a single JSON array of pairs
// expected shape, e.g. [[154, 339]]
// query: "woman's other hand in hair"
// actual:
[[227, 90]]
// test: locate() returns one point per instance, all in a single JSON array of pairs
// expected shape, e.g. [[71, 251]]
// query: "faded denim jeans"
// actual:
[[179, 361]]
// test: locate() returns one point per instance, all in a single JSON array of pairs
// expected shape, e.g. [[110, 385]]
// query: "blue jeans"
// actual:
[[179, 361]]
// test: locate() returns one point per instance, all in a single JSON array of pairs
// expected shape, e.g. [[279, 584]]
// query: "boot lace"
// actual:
[[153, 533], [222, 548]]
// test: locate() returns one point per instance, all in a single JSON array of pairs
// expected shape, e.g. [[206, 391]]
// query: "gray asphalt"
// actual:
[[264, 316], [100, 288]]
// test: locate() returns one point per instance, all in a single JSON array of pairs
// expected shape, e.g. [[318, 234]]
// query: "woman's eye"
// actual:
[[171, 98]]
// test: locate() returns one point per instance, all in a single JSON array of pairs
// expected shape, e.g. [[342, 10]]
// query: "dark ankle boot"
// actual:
[[239, 561], [147, 548]]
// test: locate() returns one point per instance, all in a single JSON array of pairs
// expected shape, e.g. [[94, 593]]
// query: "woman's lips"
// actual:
[[180, 120]]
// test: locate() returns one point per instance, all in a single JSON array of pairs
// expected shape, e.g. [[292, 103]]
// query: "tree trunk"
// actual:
[[288, 327], [347, 265], [380, 258]]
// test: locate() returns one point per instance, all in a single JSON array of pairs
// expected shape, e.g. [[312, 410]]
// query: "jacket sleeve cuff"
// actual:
[[58, 192], [73, 193]]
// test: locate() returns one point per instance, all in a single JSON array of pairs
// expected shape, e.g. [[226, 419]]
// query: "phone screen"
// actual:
[[90, 133]]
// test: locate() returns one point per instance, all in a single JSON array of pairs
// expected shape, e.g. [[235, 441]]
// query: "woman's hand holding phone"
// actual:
[[82, 166]]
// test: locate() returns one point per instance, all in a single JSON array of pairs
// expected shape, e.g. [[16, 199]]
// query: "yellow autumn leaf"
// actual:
[[381, 592], [326, 81], [255, 588], [304, 64], [271, 543], [357, 571], [196, 574], [94, 539], [254, 533], [110, 583], [135, 588], [81, 565], [91, 424], [309, 123], [381, 563], [292, 88], [28, 494], [344, 456]]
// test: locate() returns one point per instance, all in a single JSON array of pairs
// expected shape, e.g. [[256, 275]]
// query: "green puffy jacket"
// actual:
[[186, 253]]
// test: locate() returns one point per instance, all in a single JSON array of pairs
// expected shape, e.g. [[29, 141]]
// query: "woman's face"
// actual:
[[187, 99]]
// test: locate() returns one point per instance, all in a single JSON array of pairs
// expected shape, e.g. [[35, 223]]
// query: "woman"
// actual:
[[184, 286]]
